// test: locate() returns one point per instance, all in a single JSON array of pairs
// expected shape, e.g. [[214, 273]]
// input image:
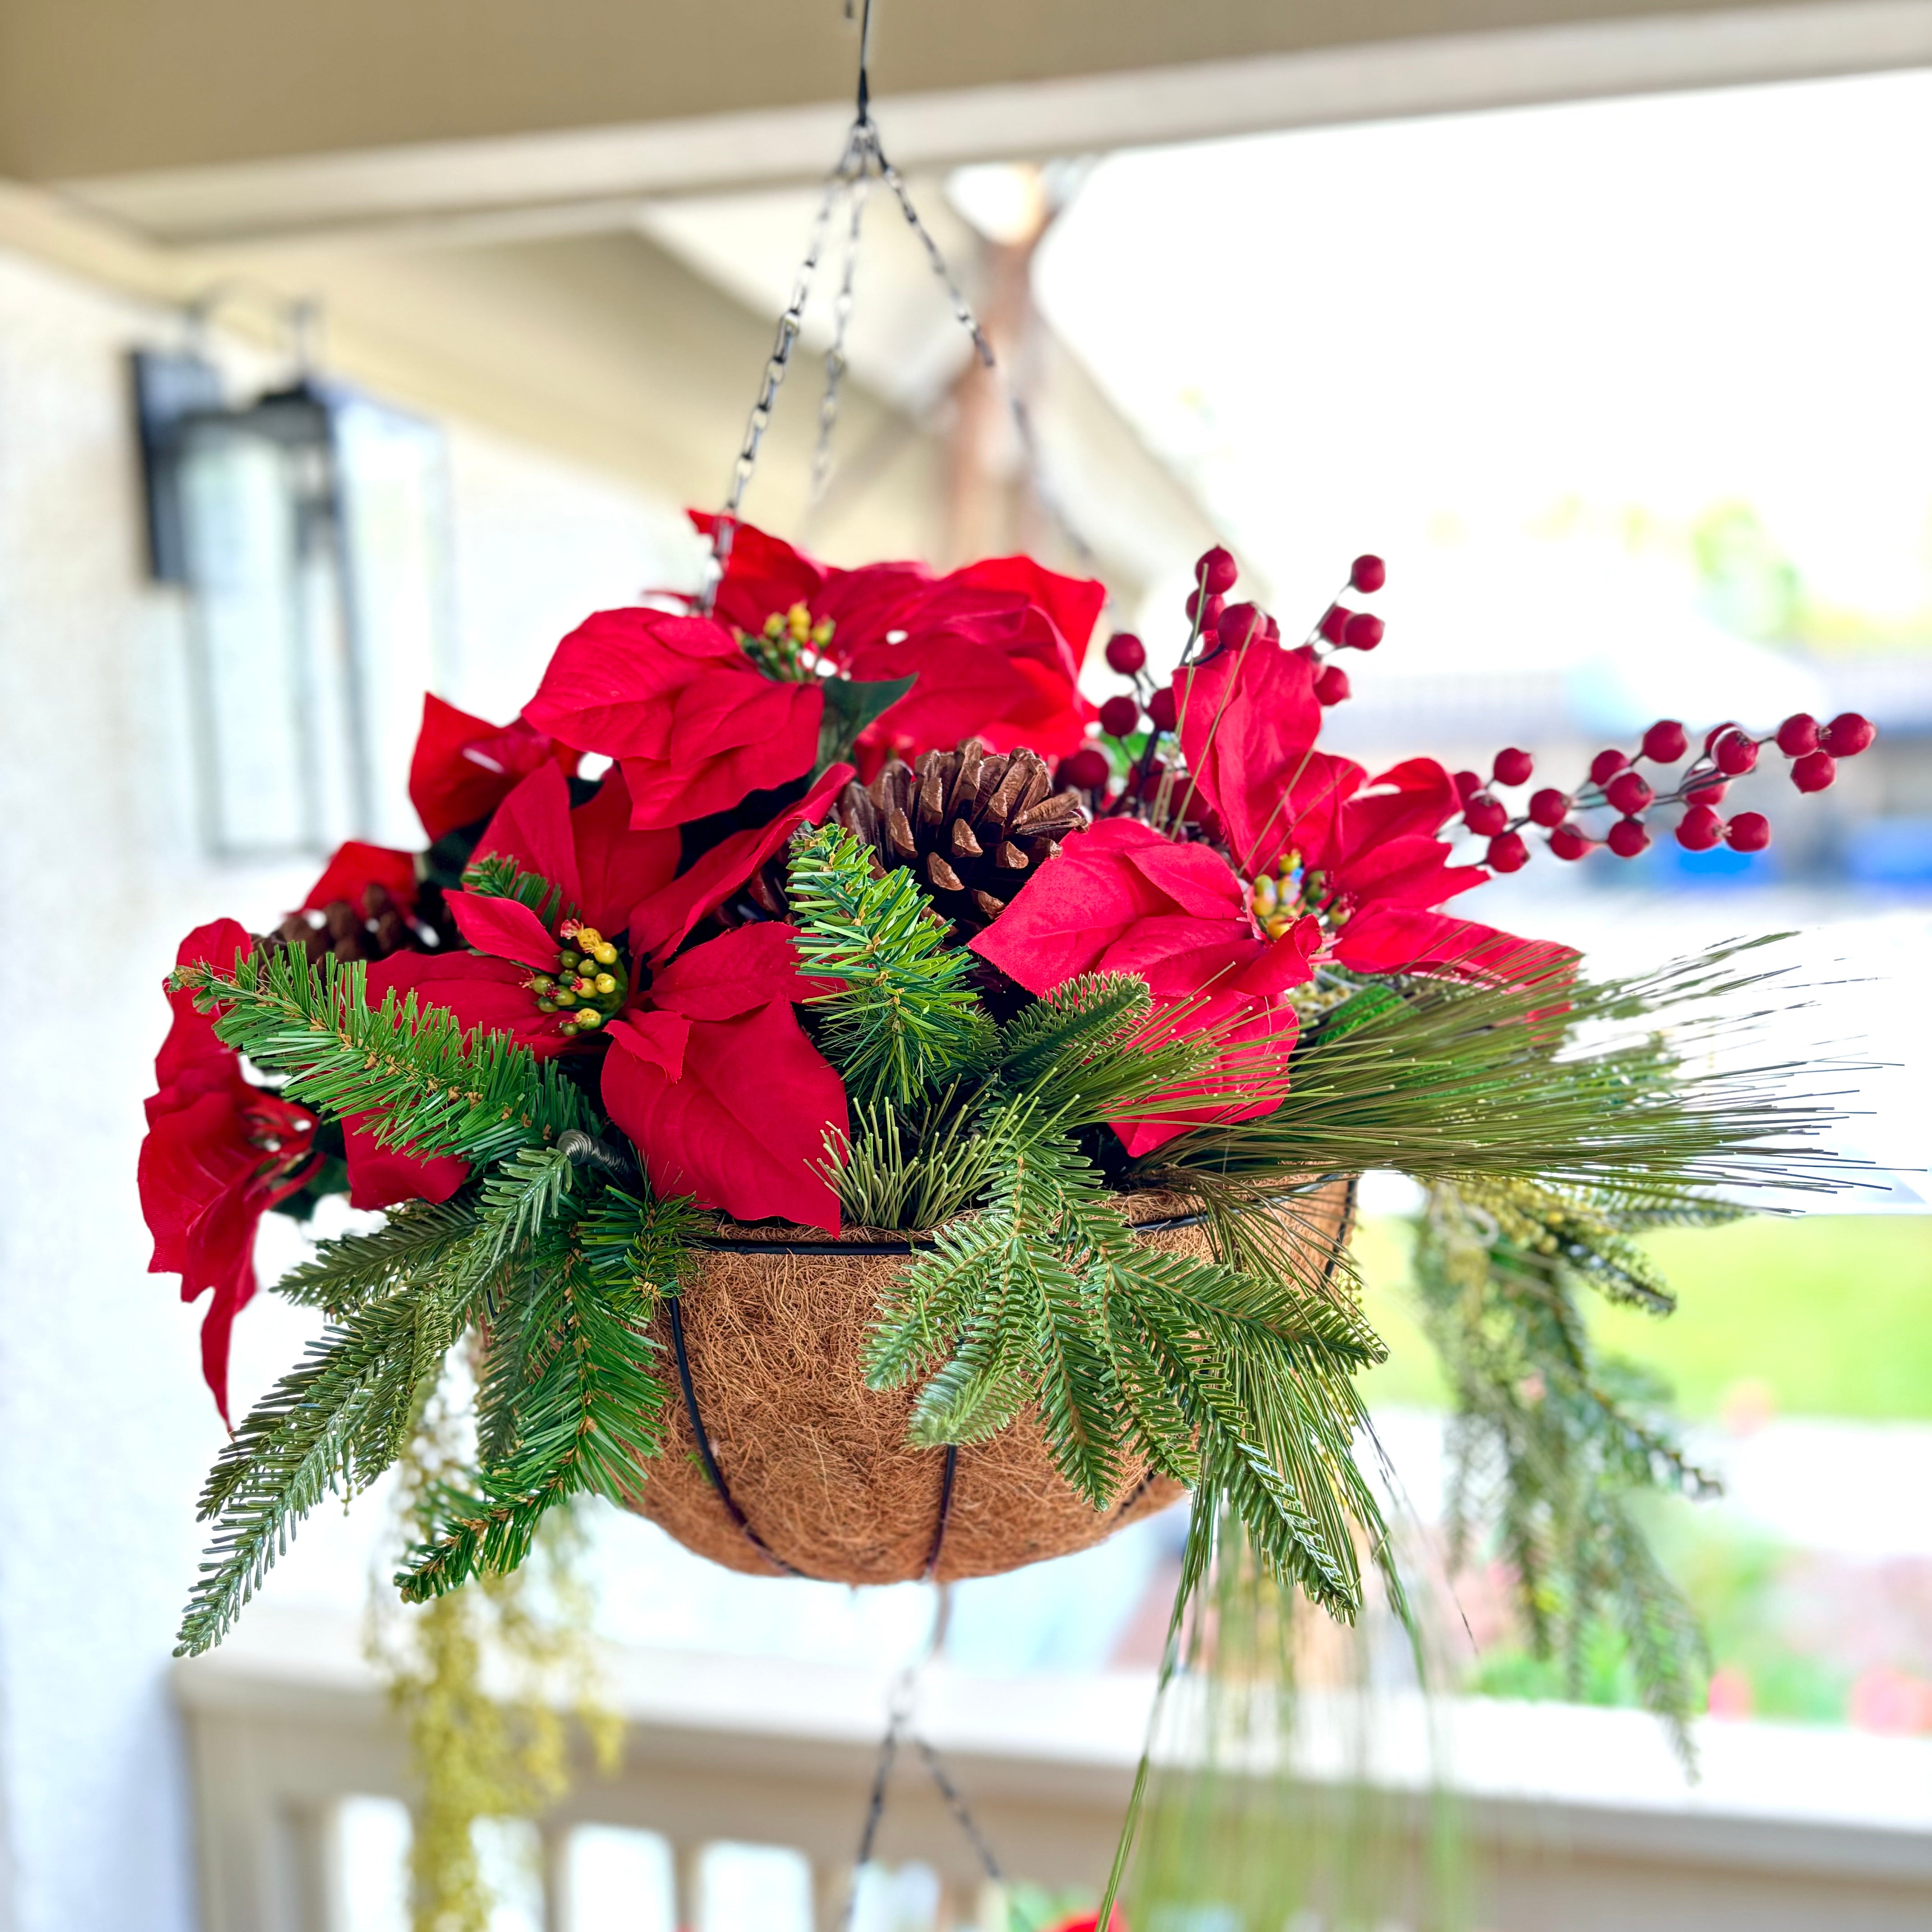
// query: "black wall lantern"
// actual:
[[309, 528]]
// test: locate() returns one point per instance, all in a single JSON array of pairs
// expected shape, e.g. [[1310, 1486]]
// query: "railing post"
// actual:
[[831, 1886], [687, 1875]]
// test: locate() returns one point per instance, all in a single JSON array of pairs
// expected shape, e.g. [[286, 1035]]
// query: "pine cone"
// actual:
[[975, 826], [373, 931]]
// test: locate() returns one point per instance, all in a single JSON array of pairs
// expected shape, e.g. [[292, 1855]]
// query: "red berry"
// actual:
[[1126, 653], [1271, 630], [1334, 622], [1216, 569], [1548, 806], [1627, 838], [1507, 853], [1847, 734], [1569, 841], [1797, 734], [1513, 767], [1708, 794], [1747, 831], [1145, 784], [1814, 771], [1367, 574], [1665, 742], [1208, 608], [1717, 731], [1332, 686], [1606, 765], [1485, 815], [1160, 708], [1087, 769], [1630, 792], [1735, 754], [1699, 828], [1119, 715], [1243, 623], [1468, 784], [1362, 632]]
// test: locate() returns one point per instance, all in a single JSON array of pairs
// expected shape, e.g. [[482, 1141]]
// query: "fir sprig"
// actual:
[[497, 877], [569, 1403], [434, 1088], [906, 1016], [1547, 1080]]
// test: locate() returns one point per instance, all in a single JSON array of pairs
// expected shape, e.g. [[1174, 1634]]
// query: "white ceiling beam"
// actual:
[[475, 190]]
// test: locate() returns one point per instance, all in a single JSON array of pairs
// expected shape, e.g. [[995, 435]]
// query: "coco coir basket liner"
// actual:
[[806, 1471]]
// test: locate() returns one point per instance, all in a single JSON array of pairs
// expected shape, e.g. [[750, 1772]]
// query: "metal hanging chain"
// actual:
[[863, 158], [858, 192], [898, 1729]]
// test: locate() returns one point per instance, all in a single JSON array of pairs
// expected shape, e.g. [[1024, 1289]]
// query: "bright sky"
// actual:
[[1428, 337]]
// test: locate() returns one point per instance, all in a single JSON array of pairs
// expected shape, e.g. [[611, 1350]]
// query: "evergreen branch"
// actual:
[[520, 1197], [1564, 1439], [899, 1171], [906, 1015], [496, 877], [1547, 1080], [333, 1424], [570, 1404], [435, 1089], [586, 1421], [350, 1271]]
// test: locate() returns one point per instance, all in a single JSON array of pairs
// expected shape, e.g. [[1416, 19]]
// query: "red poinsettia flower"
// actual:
[[996, 647], [695, 725], [1121, 899], [220, 1152], [1363, 854], [711, 1041], [601, 869], [713, 1079], [355, 867], [464, 767]]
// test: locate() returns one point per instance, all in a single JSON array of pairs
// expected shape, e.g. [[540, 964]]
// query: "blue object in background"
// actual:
[[1891, 852]]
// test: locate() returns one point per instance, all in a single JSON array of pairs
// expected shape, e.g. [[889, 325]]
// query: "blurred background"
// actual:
[[349, 353]]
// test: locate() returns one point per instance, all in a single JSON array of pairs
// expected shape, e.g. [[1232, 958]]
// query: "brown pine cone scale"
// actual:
[[975, 825]]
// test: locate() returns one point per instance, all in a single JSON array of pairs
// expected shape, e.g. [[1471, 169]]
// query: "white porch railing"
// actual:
[[1581, 1821]]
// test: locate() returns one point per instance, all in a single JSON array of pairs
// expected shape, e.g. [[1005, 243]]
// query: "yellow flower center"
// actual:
[[588, 985]]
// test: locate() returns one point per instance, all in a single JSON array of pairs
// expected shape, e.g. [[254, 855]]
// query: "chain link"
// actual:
[[864, 157]]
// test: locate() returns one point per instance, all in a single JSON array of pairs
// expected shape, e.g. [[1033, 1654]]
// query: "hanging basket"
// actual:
[[807, 1472]]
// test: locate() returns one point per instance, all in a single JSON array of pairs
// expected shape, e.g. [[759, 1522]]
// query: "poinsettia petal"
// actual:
[[532, 828], [1073, 604], [620, 868], [607, 686], [494, 994], [504, 928], [380, 1177], [1401, 939], [960, 689], [763, 577], [355, 868], [662, 922], [1248, 721], [191, 1051], [1066, 916], [1417, 797], [463, 767], [232, 1293], [658, 1038], [743, 1129], [772, 738], [1408, 871], [751, 966]]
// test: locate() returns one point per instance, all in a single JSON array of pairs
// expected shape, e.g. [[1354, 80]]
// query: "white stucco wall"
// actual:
[[105, 1429]]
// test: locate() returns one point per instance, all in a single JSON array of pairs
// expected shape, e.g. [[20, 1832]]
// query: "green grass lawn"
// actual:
[[1830, 1315]]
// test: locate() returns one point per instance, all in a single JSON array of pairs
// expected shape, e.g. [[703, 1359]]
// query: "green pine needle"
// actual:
[[906, 1016], [434, 1088]]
